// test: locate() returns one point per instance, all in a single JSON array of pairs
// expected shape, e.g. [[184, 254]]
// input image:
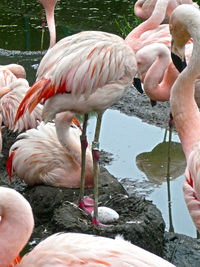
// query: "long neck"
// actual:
[[51, 25], [16, 225], [151, 23], [183, 106]]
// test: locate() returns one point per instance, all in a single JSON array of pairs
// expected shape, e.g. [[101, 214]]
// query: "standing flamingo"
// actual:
[[55, 150], [184, 23], [62, 249], [88, 71]]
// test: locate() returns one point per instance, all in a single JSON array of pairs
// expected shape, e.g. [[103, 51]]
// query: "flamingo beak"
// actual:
[[77, 123], [178, 62], [138, 85]]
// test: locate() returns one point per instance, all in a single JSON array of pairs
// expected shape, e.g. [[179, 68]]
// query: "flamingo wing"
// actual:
[[9, 104], [80, 64], [6, 77]]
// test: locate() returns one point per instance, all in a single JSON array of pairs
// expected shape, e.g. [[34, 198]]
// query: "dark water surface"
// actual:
[[20, 20], [142, 160]]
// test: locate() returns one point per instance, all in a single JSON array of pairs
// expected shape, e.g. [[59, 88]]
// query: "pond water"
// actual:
[[139, 153]]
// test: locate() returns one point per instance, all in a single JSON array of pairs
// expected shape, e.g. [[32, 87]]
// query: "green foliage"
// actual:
[[197, 1], [124, 25]]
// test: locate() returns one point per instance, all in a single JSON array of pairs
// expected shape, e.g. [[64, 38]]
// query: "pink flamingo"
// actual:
[[13, 94], [158, 71], [150, 31], [8, 74], [55, 150], [88, 71], [62, 249], [184, 23], [144, 8], [9, 104], [49, 6]]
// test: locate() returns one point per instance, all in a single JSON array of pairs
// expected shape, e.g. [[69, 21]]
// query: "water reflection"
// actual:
[[154, 162], [164, 163]]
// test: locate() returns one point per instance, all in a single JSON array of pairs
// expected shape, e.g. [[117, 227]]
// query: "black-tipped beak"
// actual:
[[178, 63], [153, 102], [138, 85]]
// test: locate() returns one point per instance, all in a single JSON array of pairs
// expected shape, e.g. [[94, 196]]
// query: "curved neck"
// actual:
[[157, 82], [16, 225], [68, 136], [151, 23]]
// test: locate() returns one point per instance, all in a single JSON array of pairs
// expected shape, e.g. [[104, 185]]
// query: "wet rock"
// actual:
[[182, 250], [56, 210]]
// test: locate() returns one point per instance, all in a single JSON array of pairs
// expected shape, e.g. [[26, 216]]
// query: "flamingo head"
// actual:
[[179, 26]]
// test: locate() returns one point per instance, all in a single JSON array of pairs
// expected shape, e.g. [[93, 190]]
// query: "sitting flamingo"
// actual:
[[56, 149], [9, 103], [8, 74], [62, 249]]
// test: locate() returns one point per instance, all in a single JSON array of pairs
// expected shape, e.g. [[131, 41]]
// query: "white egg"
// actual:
[[107, 215]]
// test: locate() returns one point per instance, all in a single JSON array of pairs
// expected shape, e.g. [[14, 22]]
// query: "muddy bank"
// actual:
[[136, 104]]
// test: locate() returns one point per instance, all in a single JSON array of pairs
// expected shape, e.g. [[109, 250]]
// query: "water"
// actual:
[[137, 147], [127, 138]]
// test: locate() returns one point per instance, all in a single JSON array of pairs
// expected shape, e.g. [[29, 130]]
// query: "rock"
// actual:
[[56, 210], [182, 250]]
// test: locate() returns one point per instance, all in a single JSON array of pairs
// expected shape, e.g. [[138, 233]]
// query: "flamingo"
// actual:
[[55, 150], [49, 6], [88, 71], [62, 249], [144, 8], [150, 31], [9, 102], [184, 23], [8, 74], [158, 71]]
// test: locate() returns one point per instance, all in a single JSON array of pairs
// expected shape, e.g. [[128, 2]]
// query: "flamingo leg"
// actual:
[[85, 203], [95, 154]]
